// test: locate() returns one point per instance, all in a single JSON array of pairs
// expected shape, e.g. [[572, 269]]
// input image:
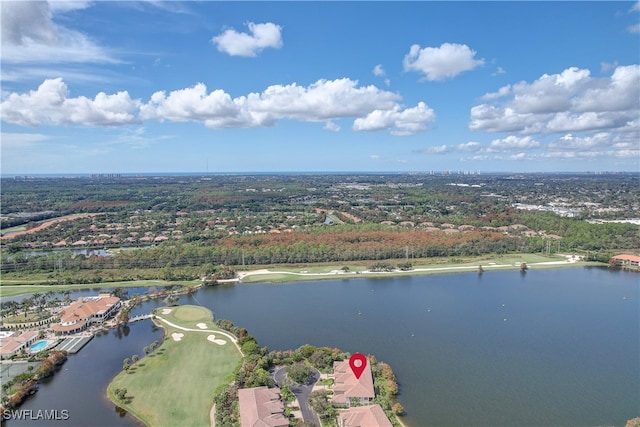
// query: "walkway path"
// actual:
[[212, 415]]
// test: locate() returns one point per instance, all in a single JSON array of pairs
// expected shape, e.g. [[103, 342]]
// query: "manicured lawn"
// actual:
[[10, 288], [420, 267], [174, 386], [13, 229]]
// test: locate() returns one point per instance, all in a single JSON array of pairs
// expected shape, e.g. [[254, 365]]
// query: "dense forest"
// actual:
[[239, 220]]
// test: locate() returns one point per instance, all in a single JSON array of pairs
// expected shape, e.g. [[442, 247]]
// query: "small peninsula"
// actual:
[[215, 373]]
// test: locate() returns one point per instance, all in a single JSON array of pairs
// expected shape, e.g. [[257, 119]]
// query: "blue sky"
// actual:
[[153, 86]]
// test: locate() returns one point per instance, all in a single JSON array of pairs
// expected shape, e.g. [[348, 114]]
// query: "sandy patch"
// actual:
[[45, 225], [176, 336], [213, 339], [166, 310], [202, 325]]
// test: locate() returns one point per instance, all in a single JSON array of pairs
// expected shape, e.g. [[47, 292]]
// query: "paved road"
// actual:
[[302, 392]]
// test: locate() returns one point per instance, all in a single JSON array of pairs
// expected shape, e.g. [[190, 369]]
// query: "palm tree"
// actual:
[[67, 296], [25, 305]]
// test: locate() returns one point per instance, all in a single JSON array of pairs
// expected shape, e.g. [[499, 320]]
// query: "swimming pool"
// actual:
[[38, 346]]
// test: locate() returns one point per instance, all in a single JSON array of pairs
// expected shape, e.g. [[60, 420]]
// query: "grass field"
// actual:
[[12, 285], [13, 229], [18, 287], [174, 386], [288, 273]]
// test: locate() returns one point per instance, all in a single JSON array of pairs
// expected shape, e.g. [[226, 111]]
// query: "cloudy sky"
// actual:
[[153, 86]]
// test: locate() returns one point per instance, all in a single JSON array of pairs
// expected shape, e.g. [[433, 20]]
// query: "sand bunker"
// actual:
[[166, 310], [202, 325], [176, 336], [213, 339]]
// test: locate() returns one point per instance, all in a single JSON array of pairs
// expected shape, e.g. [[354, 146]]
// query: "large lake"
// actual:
[[545, 348]]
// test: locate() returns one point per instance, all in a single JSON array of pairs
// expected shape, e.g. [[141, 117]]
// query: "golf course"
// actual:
[[174, 384]]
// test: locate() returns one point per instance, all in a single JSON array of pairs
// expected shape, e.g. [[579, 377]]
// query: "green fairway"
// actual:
[[175, 384], [422, 266], [9, 288], [13, 229]]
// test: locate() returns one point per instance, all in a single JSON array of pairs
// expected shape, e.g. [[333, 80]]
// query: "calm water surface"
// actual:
[[547, 348]]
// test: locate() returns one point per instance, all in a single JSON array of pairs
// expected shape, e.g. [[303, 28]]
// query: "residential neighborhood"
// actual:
[[350, 396]]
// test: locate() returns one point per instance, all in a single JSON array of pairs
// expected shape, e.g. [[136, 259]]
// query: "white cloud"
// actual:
[[439, 63], [401, 122], [469, 146], [322, 101], [331, 126], [599, 145], [50, 104], [571, 101], [513, 143], [67, 5], [243, 44], [499, 71], [21, 140], [438, 149], [634, 29], [502, 92], [380, 72], [215, 109], [29, 35], [605, 67], [599, 141], [38, 73]]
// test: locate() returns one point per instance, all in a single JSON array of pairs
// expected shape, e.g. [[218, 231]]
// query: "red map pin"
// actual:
[[358, 362]]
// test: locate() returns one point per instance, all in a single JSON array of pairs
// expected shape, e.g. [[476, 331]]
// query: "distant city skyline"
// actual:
[[234, 87]]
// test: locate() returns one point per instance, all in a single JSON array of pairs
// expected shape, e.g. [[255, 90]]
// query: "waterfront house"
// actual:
[[261, 406], [364, 416], [626, 261], [11, 343], [347, 387], [86, 311]]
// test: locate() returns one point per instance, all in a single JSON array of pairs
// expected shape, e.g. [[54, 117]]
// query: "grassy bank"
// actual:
[[12, 285], [174, 385], [289, 273], [19, 287]]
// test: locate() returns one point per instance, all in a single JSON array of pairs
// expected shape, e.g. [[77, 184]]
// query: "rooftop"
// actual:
[[261, 406], [364, 416], [346, 384]]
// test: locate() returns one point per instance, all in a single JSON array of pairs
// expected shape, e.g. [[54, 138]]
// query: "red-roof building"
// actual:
[[626, 261], [85, 311], [364, 416], [346, 386], [12, 343], [261, 407]]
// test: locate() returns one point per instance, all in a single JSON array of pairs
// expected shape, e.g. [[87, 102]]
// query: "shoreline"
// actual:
[[283, 276], [292, 273]]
